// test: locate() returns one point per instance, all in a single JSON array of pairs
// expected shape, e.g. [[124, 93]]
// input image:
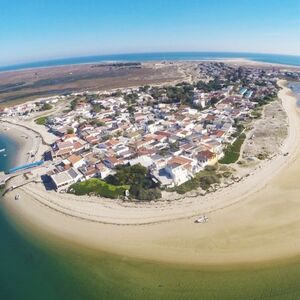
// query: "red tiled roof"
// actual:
[[180, 160], [205, 154], [74, 159]]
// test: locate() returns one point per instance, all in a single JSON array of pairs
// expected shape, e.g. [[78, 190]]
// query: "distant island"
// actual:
[[292, 60]]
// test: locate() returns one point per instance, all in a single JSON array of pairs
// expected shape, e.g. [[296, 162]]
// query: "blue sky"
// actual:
[[45, 29]]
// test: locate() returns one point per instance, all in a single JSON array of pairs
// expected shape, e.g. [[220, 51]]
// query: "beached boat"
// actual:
[[202, 219]]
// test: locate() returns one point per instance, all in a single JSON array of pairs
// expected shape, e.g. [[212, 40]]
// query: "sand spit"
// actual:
[[253, 220]]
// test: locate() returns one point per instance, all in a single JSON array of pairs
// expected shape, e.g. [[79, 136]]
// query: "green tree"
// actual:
[[97, 108], [70, 131], [141, 185], [74, 104], [46, 106]]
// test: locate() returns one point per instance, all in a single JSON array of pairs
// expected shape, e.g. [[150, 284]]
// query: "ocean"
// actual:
[[158, 56]]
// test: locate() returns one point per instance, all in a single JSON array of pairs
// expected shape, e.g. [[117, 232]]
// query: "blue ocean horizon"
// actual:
[[293, 60]]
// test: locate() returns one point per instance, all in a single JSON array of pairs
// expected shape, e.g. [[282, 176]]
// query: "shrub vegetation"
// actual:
[[138, 178], [203, 179], [232, 152], [41, 120], [98, 187], [46, 106]]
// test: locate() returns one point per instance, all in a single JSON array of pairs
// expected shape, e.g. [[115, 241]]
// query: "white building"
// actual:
[[64, 179], [178, 173]]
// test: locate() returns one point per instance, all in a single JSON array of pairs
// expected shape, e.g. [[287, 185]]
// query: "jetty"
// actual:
[[4, 177]]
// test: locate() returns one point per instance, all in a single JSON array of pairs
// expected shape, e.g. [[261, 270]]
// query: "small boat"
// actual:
[[202, 219], [2, 150]]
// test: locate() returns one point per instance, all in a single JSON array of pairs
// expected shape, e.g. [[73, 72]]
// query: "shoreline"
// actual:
[[27, 141], [9, 144], [229, 237], [23, 146]]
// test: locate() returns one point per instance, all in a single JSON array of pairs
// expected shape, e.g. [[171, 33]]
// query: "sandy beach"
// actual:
[[253, 220], [27, 142], [248, 62]]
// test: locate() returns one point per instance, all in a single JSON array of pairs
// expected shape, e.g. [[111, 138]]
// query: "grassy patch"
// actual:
[[232, 152], [41, 120], [46, 106], [256, 113], [98, 187]]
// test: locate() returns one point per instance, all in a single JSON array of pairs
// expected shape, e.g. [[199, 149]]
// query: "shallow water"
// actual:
[[35, 266], [6, 157], [295, 86]]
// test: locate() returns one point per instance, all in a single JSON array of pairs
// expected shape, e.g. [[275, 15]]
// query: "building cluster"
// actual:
[[26, 109], [173, 139]]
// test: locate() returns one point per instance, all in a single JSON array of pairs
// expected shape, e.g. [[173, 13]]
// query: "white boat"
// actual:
[[202, 219], [2, 150]]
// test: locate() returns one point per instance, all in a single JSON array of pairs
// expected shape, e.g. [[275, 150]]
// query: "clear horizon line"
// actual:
[[44, 60]]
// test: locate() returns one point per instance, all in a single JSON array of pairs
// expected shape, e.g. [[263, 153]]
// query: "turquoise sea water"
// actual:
[[7, 156], [168, 56], [35, 266]]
